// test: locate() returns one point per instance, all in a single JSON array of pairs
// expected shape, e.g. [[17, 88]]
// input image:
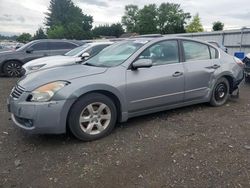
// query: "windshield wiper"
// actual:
[[88, 64]]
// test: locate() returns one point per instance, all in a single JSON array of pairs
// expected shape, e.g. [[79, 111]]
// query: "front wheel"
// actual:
[[220, 92], [12, 69], [92, 117]]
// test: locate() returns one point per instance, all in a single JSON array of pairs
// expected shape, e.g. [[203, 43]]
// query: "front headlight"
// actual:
[[46, 92], [35, 67]]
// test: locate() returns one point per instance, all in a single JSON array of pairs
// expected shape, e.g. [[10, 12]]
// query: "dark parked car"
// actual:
[[246, 61], [11, 61]]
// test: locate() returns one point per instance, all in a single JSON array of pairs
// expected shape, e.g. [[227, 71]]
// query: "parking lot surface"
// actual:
[[196, 146]]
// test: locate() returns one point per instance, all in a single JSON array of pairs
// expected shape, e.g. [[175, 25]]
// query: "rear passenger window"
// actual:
[[195, 51], [165, 52], [61, 45], [40, 46], [213, 53]]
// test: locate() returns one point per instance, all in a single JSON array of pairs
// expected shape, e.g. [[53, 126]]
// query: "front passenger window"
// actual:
[[165, 52]]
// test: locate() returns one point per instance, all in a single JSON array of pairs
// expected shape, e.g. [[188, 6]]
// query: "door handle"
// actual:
[[215, 66], [177, 74]]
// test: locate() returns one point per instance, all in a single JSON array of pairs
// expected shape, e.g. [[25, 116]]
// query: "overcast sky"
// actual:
[[27, 15]]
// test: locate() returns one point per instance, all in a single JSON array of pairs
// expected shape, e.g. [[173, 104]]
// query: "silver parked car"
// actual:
[[73, 56], [127, 79]]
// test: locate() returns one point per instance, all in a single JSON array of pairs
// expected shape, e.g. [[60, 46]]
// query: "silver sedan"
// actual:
[[127, 79]]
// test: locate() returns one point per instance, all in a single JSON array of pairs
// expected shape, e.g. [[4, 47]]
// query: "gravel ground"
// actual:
[[196, 146]]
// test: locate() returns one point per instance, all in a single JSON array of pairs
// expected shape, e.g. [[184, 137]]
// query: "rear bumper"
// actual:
[[237, 81]]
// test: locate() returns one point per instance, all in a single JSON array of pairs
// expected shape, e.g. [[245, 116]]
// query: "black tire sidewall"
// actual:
[[5, 66], [213, 101], [79, 105]]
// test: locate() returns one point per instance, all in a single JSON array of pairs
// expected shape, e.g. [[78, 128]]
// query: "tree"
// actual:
[[218, 26], [171, 18], [62, 15], [147, 19], [129, 20], [24, 37], [195, 25], [165, 19], [108, 30], [56, 32], [39, 34]]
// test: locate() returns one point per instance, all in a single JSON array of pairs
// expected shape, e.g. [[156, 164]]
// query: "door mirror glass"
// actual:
[[85, 55], [29, 50], [142, 63]]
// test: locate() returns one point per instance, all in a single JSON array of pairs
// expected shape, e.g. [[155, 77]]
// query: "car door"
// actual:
[[60, 48], [36, 50], [198, 69], [160, 85]]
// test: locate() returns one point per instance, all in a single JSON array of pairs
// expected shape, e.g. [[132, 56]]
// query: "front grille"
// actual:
[[17, 92]]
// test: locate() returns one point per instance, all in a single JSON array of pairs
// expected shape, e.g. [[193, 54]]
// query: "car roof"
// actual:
[[78, 42]]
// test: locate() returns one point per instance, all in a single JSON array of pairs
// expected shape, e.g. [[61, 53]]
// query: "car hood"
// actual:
[[35, 79], [51, 61], [9, 53]]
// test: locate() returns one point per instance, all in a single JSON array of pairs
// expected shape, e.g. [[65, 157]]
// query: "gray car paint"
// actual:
[[137, 92]]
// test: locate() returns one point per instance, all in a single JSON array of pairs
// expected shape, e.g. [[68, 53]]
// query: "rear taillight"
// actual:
[[239, 62]]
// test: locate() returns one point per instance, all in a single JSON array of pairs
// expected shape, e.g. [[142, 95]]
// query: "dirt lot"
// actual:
[[197, 146]]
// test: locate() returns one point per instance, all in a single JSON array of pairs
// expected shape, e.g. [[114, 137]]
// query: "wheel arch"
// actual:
[[112, 95], [6, 61]]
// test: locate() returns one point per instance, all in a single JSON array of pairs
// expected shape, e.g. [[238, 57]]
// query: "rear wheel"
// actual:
[[220, 92], [12, 69], [92, 117]]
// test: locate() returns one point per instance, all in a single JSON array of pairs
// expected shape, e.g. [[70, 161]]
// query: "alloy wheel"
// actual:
[[95, 118]]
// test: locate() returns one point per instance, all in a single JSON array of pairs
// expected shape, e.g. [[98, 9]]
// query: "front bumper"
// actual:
[[40, 118]]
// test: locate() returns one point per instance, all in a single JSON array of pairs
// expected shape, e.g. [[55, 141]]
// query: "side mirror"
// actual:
[[29, 50], [142, 63], [85, 55]]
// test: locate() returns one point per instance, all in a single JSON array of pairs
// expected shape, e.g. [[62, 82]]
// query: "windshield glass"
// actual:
[[77, 50], [116, 54], [24, 46]]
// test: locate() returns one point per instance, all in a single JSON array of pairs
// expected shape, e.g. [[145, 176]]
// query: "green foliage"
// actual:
[[195, 25], [218, 26], [39, 34], [65, 20], [129, 20], [108, 30], [56, 32], [167, 18], [171, 18], [147, 19], [24, 37]]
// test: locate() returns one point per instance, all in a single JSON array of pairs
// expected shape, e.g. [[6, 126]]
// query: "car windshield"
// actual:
[[116, 54], [77, 50], [24, 46]]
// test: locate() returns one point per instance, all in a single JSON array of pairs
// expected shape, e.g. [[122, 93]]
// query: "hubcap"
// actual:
[[13, 69], [95, 118], [220, 92]]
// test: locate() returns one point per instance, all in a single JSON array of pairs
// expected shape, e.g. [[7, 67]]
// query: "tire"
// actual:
[[220, 92], [12, 69], [92, 117]]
